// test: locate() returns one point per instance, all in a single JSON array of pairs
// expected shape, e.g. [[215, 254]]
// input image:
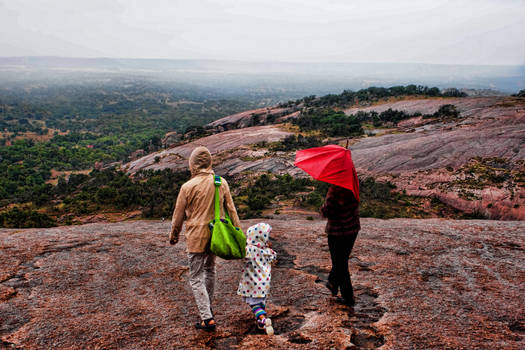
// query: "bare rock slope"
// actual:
[[254, 117], [420, 284], [223, 146], [475, 163], [431, 105]]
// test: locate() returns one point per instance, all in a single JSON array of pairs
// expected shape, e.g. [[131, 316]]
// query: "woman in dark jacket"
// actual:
[[342, 211]]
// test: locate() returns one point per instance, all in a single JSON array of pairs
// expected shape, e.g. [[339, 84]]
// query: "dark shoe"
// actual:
[[348, 302], [207, 325], [261, 322], [332, 288]]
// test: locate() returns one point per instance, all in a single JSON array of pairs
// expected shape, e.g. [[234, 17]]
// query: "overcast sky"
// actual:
[[435, 31]]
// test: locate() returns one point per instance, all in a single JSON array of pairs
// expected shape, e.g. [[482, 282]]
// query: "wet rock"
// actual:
[[121, 285]]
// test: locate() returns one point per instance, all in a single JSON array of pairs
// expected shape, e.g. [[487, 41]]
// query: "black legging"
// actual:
[[340, 249]]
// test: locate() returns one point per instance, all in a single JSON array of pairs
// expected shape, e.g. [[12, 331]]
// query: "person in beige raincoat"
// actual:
[[195, 205]]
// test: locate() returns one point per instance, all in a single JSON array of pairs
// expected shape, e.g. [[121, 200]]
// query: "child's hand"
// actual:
[[269, 244]]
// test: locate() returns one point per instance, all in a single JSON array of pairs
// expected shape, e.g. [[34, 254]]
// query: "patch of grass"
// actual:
[[481, 173]]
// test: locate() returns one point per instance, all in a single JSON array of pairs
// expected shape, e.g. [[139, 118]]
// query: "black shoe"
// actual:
[[206, 325], [332, 288], [346, 301]]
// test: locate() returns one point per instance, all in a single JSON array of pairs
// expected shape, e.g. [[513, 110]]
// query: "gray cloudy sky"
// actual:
[[436, 31]]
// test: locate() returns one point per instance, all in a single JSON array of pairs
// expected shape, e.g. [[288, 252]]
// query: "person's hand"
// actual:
[[173, 241], [269, 244]]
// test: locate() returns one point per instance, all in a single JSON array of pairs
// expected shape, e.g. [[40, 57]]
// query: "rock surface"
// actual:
[[225, 142], [466, 106], [416, 162], [420, 284], [254, 117]]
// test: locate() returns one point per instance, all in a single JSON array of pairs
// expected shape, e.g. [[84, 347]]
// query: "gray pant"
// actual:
[[202, 281]]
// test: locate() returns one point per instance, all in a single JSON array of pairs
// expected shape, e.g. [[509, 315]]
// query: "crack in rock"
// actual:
[[366, 311], [9, 345]]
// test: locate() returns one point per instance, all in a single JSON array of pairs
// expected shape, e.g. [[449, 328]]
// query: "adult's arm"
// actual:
[[331, 205], [230, 206], [179, 214]]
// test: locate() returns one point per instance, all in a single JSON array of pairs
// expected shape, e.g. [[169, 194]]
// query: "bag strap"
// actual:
[[217, 181]]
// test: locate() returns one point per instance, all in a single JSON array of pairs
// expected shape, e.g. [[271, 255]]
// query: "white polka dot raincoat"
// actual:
[[256, 275]]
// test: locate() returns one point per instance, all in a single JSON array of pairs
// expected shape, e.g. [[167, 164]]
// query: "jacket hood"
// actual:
[[200, 161], [258, 235]]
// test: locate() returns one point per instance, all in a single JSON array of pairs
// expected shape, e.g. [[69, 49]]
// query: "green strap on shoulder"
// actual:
[[217, 181]]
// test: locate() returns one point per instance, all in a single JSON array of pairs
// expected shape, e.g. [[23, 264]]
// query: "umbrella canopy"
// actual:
[[332, 164]]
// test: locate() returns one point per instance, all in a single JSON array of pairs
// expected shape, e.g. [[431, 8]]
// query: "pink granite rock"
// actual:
[[420, 284]]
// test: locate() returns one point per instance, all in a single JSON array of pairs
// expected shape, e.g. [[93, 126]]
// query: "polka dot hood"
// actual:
[[256, 275]]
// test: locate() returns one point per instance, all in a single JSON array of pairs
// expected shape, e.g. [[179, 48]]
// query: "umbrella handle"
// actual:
[[346, 144]]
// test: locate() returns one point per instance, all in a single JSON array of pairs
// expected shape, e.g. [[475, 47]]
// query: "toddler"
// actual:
[[256, 275]]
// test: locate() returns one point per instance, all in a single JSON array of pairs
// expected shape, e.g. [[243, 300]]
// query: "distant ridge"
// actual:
[[354, 75]]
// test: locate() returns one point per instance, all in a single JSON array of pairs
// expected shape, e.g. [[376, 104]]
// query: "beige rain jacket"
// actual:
[[195, 203]]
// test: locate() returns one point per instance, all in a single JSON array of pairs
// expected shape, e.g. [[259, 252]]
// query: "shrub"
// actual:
[[25, 218], [295, 142], [475, 215], [520, 93], [314, 199]]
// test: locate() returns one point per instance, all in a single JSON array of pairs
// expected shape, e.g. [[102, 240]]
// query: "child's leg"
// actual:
[[263, 322], [258, 306], [259, 310]]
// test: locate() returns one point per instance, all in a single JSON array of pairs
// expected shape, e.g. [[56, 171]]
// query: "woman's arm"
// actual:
[[330, 206], [179, 214]]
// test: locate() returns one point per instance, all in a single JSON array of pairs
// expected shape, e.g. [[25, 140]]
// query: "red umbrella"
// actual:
[[332, 164]]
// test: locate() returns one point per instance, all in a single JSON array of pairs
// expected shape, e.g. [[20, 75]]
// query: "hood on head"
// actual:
[[259, 233], [200, 159]]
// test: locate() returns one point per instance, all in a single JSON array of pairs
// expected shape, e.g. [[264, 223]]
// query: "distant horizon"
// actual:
[[261, 61]]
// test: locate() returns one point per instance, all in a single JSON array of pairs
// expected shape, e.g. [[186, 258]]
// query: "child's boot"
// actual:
[[268, 326], [264, 323]]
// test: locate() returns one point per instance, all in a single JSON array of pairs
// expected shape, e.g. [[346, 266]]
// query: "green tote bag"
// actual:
[[227, 241]]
